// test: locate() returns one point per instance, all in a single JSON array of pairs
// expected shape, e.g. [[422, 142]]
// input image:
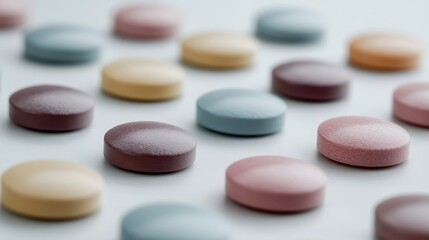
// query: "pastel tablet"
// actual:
[[385, 51], [411, 103], [13, 13], [62, 44], [310, 80], [147, 21], [51, 108], [275, 184], [363, 141], [149, 147], [143, 79], [403, 218], [241, 112], [290, 25], [164, 221], [51, 190], [219, 50]]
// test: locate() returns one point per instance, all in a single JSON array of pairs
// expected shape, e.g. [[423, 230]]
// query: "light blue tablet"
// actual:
[[171, 221], [241, 112], [62, 43], [290, 25]]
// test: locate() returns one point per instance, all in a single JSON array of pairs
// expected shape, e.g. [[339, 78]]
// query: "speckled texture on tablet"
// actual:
[[241, 112], [219, 50], [385, 51], [147, 21], [149, 147], [13, 13], [363, 141], [51, 190], [62, 43], [403, 218], [275, 184], [143, 79], [173, 221], [310, 80], [51, 108], [411, 103], [290, 25]]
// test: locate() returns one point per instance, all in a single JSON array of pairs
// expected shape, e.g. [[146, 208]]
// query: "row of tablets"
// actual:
[[60, 190]]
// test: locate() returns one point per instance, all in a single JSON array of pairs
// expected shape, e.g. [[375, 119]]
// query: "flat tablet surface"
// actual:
[[51, 189], [241, 112], [363, 141], [143, 79], [290, 25], [62, 43], [310, 80], [147, 21], [275, 184], [51, 108], [385, 51], [151, 147], [219, 50], [402, 218], [411, 103], [173, 221]]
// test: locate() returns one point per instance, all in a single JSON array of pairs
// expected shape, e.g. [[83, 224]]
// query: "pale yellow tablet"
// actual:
[[143, 79], [51, 190], [219, 50]]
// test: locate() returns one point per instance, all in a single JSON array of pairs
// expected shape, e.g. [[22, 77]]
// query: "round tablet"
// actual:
[[403, 218], [147, 21], [51, 190], [290, 25], [275, 184], [149, 147], [51, 108], [411, 103], [382, 51], [13, 13], [310, 80], [173, 221], [363, 141], [143, 80], [62, 43], [219, 50], [241, 112]]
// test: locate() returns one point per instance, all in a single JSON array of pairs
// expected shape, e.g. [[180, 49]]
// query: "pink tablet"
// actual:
[[275, 184], [12, 13], [363, 141], [147, 21], [403, 218], [411, 103]]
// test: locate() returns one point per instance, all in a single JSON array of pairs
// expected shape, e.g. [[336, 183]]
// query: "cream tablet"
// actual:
[[13, 13], [149, 147], [51, 190], [147, 21], [219, 50], [411, 103], [310, 80], [241, 112], [403, 218], [385, 51], [275, 184], [143, 79], [363, 141], [51, 108]]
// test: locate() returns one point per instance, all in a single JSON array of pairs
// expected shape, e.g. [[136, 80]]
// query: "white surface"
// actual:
[[352, 193]]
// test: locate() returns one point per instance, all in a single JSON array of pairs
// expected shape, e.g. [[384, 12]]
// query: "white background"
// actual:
[[352, 193]]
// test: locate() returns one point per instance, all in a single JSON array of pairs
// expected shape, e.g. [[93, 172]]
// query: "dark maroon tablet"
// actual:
[[149, 147]]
